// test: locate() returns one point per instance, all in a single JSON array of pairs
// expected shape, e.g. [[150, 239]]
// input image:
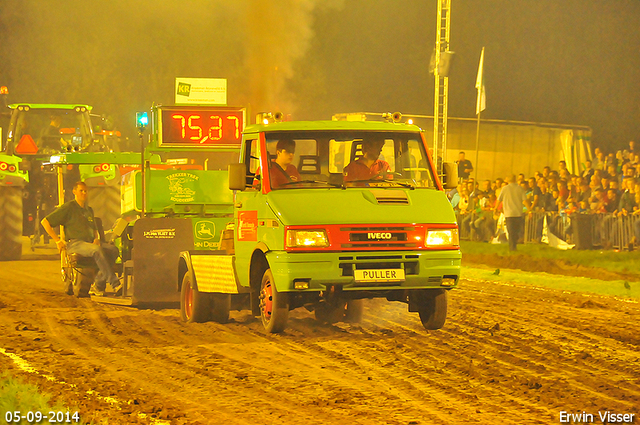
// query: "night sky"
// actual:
[[553, 61]]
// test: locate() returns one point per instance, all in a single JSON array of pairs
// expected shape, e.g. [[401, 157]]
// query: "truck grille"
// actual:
[[378, 237]]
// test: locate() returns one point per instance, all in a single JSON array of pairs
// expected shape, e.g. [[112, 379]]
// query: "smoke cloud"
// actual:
[[277, 35], [122, 56]]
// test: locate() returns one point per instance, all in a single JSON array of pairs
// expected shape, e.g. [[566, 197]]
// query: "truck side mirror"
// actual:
[[237, 176], [450, 175]]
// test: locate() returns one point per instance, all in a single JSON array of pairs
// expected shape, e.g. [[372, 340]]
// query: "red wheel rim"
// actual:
[[188, 300], [267, 301]]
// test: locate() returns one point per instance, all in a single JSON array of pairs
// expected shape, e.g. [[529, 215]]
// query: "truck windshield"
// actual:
[[348, 159]]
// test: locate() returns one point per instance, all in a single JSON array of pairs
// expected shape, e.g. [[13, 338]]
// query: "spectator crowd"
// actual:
[[607, 186]]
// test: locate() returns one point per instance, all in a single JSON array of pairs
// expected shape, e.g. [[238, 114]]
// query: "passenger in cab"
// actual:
[[368, 166]]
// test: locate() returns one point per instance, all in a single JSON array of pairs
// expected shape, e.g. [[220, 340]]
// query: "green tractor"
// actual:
[[33, 135]]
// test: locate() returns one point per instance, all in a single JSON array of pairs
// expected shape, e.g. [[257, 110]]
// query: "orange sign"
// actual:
[[247, 225]]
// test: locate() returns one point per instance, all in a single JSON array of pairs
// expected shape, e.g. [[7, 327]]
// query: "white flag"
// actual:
[[481, 101]]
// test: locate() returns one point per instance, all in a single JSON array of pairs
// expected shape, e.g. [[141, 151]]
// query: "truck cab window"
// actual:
[[350, 159]]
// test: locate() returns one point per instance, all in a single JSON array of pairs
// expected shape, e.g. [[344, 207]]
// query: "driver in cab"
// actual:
[[281, 169], [51, 140], [368, 166]]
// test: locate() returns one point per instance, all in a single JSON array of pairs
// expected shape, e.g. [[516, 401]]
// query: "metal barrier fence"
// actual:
[[586, 231]]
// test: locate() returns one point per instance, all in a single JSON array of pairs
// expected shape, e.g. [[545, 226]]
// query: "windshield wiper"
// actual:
[[311, 181], [407, 185]]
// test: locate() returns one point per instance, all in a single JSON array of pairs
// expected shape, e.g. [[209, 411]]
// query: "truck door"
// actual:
[[249, 205]]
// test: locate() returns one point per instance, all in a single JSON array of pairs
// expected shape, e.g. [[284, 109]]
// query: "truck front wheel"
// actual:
[[432, 308], [274, 305], [195, 306]]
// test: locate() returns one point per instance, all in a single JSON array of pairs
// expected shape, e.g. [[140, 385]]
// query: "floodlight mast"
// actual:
[[440, 72]]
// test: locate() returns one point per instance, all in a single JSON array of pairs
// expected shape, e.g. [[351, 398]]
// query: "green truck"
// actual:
[[323, 241], [207, 228]]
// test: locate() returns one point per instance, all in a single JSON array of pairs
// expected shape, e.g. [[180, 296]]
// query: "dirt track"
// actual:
[[508, 354]]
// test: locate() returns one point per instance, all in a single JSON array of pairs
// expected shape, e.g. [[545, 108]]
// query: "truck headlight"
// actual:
[[442, 237], [307, 238]]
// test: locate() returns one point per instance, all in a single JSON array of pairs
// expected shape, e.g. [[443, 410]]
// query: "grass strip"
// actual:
[[619, 262], [618, 288]]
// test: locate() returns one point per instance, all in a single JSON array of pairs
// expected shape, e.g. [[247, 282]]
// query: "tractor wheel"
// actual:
[[105, 202], [195, 306], [274, 305], [354, 310], [10, 223], [220, 306], [432, 308], [83, 281]]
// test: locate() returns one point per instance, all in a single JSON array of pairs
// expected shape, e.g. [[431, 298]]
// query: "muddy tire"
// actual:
[[432, 308], [195, 306], [220, 306], [354, 310], [10, 223], [274, 305], [105, 202]]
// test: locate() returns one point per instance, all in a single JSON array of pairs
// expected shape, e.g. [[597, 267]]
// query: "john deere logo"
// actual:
[[205, 230], [182, 187], [184, 89]]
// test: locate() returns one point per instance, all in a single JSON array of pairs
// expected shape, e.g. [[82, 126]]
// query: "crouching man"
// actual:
[[82, 238]]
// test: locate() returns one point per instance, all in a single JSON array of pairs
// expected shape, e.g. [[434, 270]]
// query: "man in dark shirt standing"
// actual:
[[81, 237], [464, 167]]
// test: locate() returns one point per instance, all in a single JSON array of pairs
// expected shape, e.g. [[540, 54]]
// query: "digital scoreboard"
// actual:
[[200, 126]]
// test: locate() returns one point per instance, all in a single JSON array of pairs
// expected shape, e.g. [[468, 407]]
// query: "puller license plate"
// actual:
[[379, 275]]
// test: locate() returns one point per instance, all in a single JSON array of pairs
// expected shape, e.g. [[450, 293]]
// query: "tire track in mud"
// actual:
[[333, 374], [610, 350], [100, 327], [90, 343], [565, 306], [139, 364], [406, 375], [403, 376], [584, 339], [547, 354], [525, 362]]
